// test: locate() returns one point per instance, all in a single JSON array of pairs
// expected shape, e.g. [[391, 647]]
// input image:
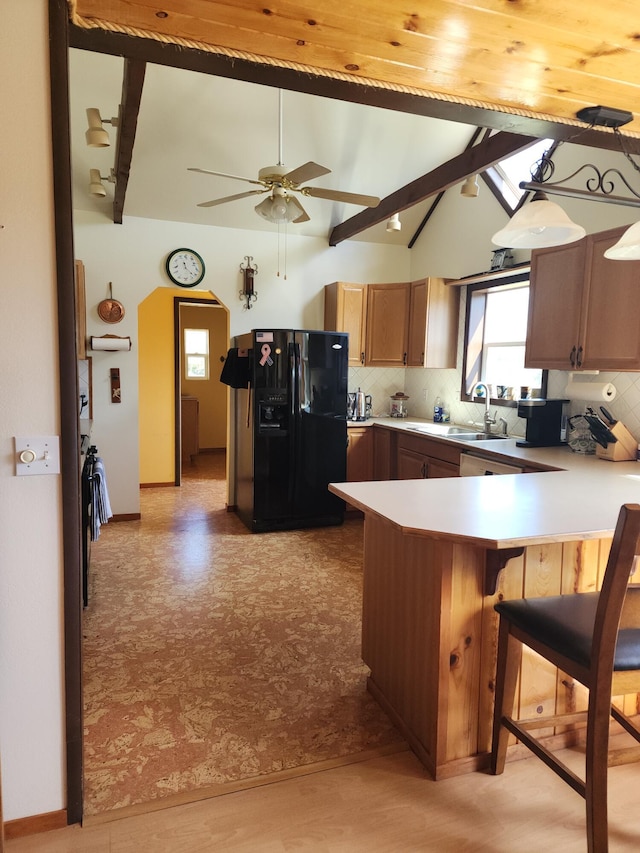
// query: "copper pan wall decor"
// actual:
[[110, 310]]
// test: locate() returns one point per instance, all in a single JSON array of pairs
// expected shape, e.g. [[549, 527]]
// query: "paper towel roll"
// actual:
[[110, 343], [591, 391]]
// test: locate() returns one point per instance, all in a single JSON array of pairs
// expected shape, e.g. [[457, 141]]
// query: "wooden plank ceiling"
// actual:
[[545, 59]]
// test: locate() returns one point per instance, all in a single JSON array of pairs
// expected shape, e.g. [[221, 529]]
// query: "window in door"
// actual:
[[495, 338], [196, 353]]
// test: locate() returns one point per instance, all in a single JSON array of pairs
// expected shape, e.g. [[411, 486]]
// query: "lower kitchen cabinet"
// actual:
[[384, 453], [359, 454], [421, 458]]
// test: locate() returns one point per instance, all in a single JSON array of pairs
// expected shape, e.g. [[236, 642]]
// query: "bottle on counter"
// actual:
[[446, 414], [437, 411]]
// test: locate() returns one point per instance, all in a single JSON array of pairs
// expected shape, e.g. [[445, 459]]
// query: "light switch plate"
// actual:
[[45, 449]]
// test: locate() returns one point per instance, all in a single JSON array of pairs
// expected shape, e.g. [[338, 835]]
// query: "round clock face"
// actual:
[[185, 267]]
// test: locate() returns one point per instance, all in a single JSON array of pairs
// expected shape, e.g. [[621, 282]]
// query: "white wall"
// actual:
[[31, 677], [132, 257]]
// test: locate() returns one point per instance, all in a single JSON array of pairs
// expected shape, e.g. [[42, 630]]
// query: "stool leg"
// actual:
[[507, 668], [596, 765]]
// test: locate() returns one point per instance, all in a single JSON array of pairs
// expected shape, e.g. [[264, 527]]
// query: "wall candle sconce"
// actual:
[[248, 274]]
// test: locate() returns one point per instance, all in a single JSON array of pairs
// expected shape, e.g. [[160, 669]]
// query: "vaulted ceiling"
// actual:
[[386, 99]]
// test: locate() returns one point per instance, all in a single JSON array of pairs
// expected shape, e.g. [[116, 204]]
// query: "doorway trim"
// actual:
[[177, 349]]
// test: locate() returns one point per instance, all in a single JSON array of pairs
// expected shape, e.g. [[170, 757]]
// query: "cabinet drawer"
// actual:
[[428, 447]]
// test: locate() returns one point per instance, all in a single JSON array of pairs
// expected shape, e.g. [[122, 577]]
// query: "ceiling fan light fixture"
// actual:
[[393, 223], [628, 246], [537, 225], [277, 209], [470, 188]]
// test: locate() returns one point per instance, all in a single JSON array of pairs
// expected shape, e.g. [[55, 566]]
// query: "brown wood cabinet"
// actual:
[[359, 454], [420, 458], [384, 453], [345, 310], [81, 311], [581, 307], [387, 324], [433, 324], [395, 324]]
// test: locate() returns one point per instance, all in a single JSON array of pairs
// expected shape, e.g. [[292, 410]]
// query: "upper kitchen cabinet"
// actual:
[[387, 331], [580, 307], [345, 310], [433, 324]]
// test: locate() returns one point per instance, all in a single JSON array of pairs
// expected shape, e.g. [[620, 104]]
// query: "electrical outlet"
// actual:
[[425, 394]]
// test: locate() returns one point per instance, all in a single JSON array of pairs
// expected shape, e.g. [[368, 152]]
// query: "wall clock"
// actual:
[[185, 267]]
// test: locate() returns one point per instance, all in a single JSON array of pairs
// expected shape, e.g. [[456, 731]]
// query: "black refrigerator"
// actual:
[[291, 428]]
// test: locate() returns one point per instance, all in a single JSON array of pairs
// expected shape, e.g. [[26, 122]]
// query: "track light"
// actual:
[[394, 224], [470, 188], [96, 187], [542, 223], [96, 135]]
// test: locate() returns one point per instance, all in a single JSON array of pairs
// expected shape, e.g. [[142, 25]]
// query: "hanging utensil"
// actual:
[[110, 310]]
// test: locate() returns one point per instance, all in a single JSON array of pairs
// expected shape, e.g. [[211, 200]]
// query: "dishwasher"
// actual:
[[477, 466]]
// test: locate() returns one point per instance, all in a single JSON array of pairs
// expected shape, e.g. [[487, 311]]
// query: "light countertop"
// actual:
[[580, 499]]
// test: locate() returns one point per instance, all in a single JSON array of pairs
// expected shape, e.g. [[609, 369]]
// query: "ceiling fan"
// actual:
[[281, 205]]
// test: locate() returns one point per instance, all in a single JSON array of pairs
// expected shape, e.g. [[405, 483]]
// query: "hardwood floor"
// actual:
[[386, 805]]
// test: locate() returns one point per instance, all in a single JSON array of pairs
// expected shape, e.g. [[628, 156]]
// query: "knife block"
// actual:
[[623, 450]]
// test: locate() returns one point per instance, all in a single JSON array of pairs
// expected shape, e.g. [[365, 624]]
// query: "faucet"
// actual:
[[488, 420]]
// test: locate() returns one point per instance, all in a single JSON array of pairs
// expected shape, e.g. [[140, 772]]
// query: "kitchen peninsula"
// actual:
[[438, 554]]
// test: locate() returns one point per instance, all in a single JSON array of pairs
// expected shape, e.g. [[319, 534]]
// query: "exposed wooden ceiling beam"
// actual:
[[132, 83], [432, 207], [454, 171]]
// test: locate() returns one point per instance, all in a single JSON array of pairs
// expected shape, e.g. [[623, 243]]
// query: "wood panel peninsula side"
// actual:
[[433, 550]]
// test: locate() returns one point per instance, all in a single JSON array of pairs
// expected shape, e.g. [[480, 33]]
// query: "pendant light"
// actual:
[[538, 224]]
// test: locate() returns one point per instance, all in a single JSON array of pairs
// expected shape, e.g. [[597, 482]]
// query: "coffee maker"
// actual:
[[544, 422]]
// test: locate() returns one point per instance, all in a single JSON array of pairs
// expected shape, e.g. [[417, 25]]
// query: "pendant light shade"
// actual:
[[539, 224], [628, 246]]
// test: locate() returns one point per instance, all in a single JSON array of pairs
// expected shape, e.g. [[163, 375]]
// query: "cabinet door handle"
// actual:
[[424, 469], [404, 358], [422, 357], [572, 357], [361, 358], [579, 358]]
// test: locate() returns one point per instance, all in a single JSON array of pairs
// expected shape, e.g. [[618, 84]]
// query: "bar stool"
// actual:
[[595, 639]]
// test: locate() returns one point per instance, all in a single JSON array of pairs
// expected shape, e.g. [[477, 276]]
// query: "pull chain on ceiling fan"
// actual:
[[281, 206]]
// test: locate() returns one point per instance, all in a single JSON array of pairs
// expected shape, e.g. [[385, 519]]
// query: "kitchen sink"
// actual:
[[442, 429], [478, 436]]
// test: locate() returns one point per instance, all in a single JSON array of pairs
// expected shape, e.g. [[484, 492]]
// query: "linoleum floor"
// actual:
[[214, 657]]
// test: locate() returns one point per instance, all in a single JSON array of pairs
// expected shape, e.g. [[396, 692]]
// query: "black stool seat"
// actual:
[[592, 638], [565, 623]]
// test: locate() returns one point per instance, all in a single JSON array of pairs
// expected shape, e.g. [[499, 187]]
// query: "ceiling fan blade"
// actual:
[[223, 175], [306, 172], [227, 198], [304, 216], [336, 195]]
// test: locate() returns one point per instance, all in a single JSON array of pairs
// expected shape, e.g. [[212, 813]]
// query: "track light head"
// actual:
[[393, 223], [96, 135]]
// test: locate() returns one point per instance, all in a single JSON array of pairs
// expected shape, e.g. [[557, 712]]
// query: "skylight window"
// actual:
[[506, 175]]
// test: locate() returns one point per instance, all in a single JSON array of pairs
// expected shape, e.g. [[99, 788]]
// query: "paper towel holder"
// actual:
[[110, 343]]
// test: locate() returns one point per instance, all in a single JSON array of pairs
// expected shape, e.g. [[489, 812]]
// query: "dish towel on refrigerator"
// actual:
[[100, 506]]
